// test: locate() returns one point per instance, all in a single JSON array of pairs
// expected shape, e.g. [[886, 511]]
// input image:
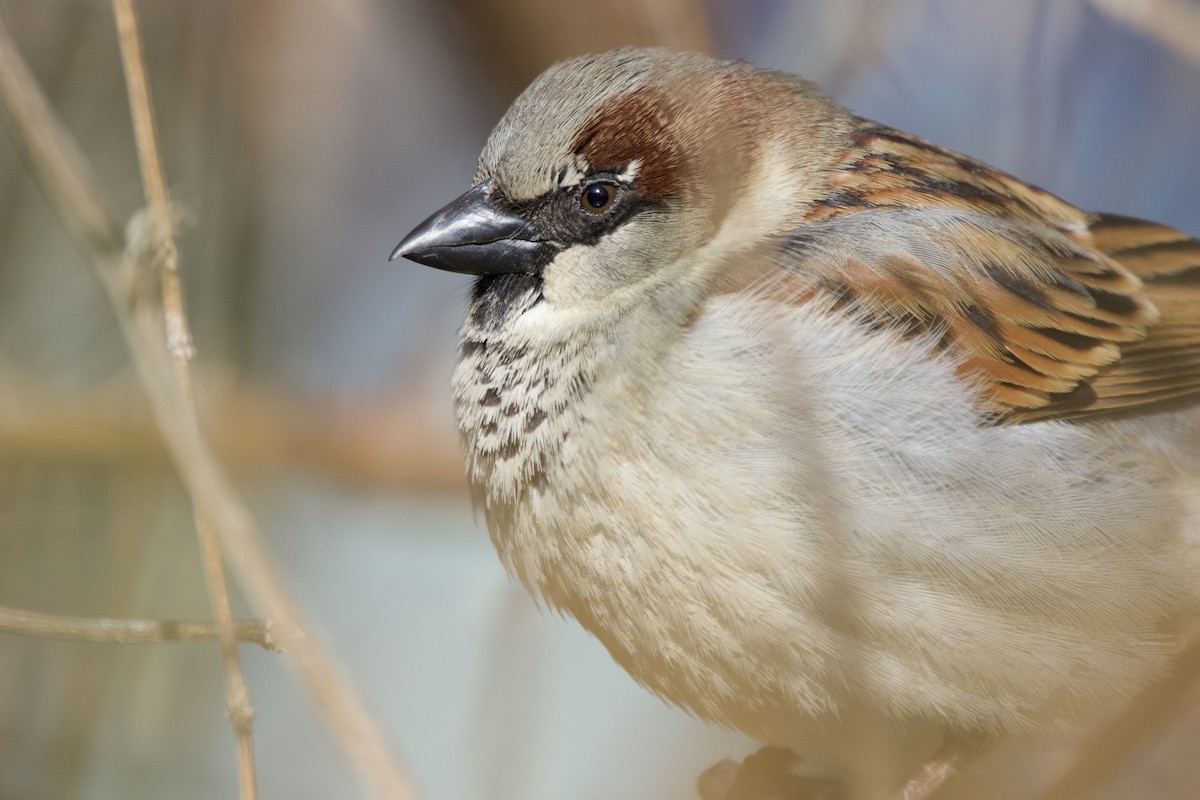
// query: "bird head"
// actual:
[[616, 175]]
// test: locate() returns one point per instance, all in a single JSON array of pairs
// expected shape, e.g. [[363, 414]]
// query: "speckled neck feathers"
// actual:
[[514, 401]]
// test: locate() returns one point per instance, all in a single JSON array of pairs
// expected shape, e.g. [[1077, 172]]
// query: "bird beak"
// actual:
[[473, 236]]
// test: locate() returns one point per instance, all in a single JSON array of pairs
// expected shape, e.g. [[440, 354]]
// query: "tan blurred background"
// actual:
[[303, 138]]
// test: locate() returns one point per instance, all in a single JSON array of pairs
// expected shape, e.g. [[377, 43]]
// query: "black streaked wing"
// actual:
[[1058, 312]]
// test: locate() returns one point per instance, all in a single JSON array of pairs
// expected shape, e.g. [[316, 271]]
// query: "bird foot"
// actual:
[[772, 773], [932, 774]]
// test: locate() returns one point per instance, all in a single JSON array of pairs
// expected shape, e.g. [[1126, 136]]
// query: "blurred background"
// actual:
[[303, 138]]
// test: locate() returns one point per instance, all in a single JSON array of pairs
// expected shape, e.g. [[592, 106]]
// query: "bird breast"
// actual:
[[782, 514]]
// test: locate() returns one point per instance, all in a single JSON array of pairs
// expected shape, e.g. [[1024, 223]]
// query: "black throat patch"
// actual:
[[496, 298]]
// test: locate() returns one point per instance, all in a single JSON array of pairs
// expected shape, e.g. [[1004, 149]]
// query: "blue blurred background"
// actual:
[[303, 138]]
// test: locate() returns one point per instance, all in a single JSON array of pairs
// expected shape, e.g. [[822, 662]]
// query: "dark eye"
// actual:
[[598, 197]]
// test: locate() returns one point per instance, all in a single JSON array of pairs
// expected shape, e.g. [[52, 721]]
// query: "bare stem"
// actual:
[[55, 161], [178, 343], [129, 631], [143, 112], [179, 337], [53, 154]]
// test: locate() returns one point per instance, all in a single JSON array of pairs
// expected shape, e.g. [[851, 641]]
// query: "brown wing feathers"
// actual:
[[1165, 365], [1059, 312]]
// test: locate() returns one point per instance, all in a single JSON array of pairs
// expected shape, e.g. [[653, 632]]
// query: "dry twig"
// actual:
[[179, 347], [63, 173], [130, 631], [388, 440]]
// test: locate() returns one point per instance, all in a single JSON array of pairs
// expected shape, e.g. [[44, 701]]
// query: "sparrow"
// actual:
[[829, 434]]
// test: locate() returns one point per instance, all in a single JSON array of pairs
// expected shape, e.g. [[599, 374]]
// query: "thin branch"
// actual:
[[363, 743], [391, 441], [144, 130], [63, 172], [130, 631], [179, 337], [179, 346]]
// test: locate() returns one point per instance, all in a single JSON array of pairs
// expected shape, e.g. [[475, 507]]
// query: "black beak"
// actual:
[[473, 236]]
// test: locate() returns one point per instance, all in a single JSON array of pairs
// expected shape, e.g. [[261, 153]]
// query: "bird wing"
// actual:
[[1057, 313]]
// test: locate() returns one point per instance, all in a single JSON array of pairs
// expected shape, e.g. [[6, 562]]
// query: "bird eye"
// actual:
[[598, 197]]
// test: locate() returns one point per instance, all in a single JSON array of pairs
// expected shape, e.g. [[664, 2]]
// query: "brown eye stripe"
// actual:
[[635, 126]]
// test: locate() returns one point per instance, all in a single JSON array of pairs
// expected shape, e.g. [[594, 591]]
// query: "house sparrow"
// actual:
[[829, 434]]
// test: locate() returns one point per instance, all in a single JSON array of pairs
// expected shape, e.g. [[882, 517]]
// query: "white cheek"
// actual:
[[592, 273], [568, 268], [549, 322]]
